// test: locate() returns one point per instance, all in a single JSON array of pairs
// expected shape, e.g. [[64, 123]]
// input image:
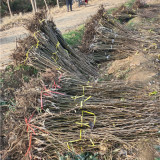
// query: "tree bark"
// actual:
[[46, 5], [9, 8], [58, 3], [35, 4], [33, 7]]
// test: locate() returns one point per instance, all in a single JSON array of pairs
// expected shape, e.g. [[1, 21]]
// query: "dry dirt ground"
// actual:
[[65, 21]]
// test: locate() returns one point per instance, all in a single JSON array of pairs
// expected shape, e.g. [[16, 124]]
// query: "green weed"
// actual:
[[130, 3], [74, 38], [111, 10]]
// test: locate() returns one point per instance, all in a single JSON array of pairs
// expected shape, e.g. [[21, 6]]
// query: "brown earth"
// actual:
[[134, 68]]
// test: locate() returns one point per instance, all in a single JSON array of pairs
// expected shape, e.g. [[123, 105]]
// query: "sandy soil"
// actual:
[[137, 67], [65, 21], [8, 40]]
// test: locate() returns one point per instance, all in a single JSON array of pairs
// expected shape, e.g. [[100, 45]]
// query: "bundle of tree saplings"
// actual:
[[69, 115], [111, 40], [50, 50], [128, 11], [124, 14], [83, 116]]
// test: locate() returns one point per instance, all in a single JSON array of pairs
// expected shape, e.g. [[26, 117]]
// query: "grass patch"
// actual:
[[111, 10], [74, 38], [130, 3]]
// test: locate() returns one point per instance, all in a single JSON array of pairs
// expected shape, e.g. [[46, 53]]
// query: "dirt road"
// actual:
[[65, 21]]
